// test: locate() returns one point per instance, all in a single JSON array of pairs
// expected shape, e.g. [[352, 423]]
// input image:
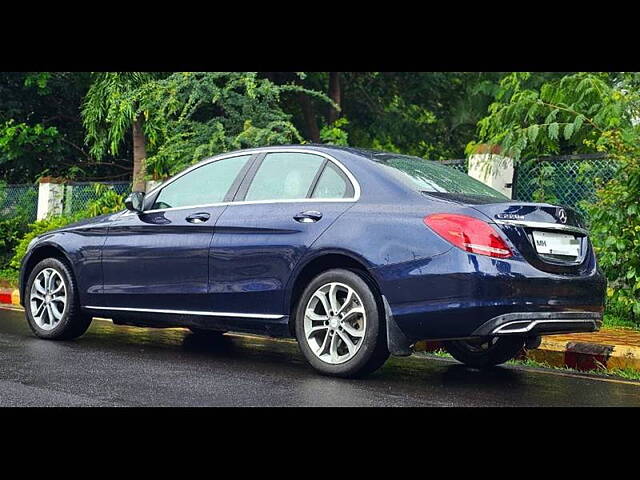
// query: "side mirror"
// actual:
[[135, 201]]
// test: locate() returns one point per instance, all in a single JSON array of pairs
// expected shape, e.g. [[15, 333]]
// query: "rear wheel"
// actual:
[[51, 307], [339, 326], [484, 352]]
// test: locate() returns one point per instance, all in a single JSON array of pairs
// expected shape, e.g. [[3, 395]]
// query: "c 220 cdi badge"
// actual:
[[357, 254]]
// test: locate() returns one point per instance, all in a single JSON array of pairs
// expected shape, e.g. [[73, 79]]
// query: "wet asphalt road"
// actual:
[[125, 366]]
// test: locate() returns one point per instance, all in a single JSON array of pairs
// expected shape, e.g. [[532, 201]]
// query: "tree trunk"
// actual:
[[139, 156], [309, 117], [335, 94]]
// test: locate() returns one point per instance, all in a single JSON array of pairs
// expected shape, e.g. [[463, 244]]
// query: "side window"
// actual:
[[204, 185], [283, 176], [332, 184]]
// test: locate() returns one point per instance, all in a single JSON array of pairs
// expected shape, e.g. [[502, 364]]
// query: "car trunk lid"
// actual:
[[552, 238]]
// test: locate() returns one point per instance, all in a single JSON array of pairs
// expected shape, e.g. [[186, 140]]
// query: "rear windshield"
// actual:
[[433, 177]]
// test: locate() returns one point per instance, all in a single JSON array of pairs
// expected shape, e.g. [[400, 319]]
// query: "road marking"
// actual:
[[6, 306]]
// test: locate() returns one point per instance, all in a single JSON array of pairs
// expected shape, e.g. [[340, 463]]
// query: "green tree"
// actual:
[[41, 130], [111, 111], [204, 113], [433, 115]]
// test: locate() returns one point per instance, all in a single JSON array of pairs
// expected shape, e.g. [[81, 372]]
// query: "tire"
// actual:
[[72, 322], [369, 349], [493, 351]]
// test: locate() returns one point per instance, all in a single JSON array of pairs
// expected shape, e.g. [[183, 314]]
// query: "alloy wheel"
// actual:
[[335, 323], [48, 299]]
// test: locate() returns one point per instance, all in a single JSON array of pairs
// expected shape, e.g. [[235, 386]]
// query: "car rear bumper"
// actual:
[[460, 295]]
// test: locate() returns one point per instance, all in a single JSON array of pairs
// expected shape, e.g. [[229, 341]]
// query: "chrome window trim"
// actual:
[[190, 312], [352, 179], [543, 225]]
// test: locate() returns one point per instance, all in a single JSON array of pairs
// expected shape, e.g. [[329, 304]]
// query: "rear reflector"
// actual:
[[469, 234]]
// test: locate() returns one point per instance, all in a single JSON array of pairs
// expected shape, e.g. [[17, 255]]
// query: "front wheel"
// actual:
[[484, 352], [339, 326], [51, 307]]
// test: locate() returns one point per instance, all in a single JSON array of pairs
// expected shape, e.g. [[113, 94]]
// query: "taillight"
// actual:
[[469, 234]]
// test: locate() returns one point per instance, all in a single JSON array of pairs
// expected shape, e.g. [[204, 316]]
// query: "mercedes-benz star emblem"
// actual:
[[562, 215]]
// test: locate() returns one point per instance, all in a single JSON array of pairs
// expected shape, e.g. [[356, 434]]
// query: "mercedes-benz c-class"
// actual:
[[357, 254]]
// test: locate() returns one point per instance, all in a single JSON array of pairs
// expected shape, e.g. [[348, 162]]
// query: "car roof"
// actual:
[[375, 155]]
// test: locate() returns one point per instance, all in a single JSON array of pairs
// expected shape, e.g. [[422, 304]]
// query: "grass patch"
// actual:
[[441, 353], [625, 373], [612, 320]]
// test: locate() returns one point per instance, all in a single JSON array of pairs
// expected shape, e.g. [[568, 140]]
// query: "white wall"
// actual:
[[493, 170]]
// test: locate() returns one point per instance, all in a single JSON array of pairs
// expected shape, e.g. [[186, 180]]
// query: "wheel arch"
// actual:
[[39, 253], [319, 263]]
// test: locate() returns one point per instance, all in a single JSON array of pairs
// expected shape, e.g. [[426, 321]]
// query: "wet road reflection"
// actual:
[[115, 365]]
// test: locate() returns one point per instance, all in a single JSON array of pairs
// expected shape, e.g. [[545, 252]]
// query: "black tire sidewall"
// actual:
[[373, 348], [502, 351], [66, 324]]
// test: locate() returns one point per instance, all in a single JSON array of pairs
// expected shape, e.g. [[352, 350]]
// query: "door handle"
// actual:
[[308, 216], [198, 218]]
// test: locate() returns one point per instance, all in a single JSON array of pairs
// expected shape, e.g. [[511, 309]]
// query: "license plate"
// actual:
[[556, 243]]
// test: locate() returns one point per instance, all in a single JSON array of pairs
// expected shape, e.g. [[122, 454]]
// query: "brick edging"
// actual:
[[10, 296]]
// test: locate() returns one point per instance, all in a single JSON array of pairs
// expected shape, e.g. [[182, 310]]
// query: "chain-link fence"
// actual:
[[18, 200], [565, 180], [77, 196], [461, 165]]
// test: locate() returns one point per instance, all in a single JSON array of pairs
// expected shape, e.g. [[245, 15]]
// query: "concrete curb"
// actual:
[[579, 355], [557, 352]]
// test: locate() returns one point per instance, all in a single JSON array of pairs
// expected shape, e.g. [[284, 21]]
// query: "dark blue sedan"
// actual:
[[357, 254]]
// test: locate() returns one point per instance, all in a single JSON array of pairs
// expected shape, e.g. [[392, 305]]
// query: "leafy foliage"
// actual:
[[41, 128], [432, 115], [565, 114], [335, 134], [615, 233], [15, 139], [33, 230], [11, 231], [204, 113], [107, 201], [76, 125], [110, 108]]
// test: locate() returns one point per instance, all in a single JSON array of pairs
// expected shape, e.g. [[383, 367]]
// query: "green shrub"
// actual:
[[108, 201], [38, 228], [11, 231], [615, 233]]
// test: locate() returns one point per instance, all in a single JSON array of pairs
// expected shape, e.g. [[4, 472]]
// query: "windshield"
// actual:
[[433, 177]]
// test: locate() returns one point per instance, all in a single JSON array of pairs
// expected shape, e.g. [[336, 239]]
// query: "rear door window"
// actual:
[[332, 184], [284, 176]]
